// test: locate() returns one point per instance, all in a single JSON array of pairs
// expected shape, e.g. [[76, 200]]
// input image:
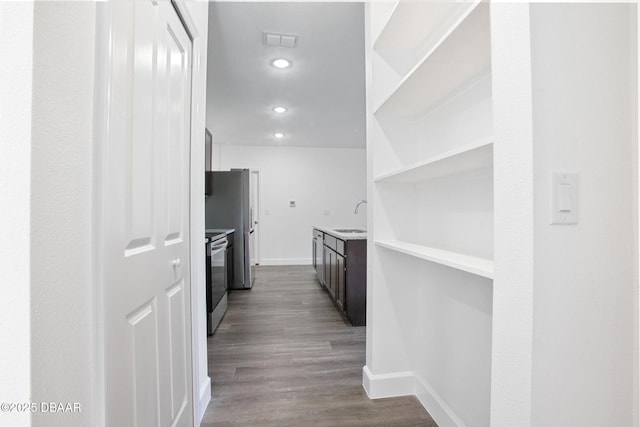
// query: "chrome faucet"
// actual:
[[358, 205]]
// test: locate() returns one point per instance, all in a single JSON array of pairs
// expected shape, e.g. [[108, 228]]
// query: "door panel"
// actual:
[[147, 292], [177, 344], [138, 164], [178, 128], [340, 282], [143, 332]]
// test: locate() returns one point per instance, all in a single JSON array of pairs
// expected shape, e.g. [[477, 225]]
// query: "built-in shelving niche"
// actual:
[[439, 214], [431, 133], [452, 57], [444, 101]]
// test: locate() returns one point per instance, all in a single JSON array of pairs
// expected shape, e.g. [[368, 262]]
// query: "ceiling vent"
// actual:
[[279, 40]]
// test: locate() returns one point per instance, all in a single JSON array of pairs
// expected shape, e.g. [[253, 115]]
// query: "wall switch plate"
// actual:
[[564, 198], [292, 203], [326, 213]]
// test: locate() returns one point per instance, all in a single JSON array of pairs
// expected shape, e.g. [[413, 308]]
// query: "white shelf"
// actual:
[[470, 264], [412, 27], [473, 156], [457, 58], [387, 20]]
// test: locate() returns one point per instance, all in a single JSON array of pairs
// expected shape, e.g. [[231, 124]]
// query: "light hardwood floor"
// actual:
[[284, 356]]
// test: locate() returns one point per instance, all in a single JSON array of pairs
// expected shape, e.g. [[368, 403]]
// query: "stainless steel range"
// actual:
[[216, 249]]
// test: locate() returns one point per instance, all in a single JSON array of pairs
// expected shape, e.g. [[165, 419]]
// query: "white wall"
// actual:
[[61, 204], [199, 12], [318, 179], [584, 97], [511, 356], [16, 45], [46, 134]]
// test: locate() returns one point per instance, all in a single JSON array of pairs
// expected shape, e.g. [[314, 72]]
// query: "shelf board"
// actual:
[[457, 58], [412, 27], [470, 264], [476, 155], [387, 23]]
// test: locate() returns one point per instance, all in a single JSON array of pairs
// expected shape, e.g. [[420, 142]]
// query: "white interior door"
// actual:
[[147, 296]]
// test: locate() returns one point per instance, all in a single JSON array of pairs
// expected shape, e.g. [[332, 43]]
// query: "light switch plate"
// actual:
[[292, 203], [564, 198]]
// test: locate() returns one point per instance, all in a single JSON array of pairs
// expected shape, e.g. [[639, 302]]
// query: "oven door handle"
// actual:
[[218, 246]]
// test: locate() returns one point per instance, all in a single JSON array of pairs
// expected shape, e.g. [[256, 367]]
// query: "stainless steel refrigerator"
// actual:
[[229, 207]]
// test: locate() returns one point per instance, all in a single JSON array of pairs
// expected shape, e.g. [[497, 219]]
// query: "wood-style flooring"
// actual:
[[284, 356]]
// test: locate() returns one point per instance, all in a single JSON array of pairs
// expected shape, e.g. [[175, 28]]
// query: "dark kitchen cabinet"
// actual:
[[355, 279], [343, 267], [228, 262], [329, 271], [340, 282], [318, 254]]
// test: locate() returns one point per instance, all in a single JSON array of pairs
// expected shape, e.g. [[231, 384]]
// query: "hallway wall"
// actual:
[[62, 314], [326, 184], [584, 114], [49, 313], [16, 63]]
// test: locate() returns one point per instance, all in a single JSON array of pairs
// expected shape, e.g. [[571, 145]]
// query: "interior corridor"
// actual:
[[284, 356]]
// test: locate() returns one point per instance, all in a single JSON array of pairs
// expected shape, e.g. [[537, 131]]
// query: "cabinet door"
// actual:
[[229, 265], [319, 257], [313, 253], [326, 266], [340, 281], [329, 271]]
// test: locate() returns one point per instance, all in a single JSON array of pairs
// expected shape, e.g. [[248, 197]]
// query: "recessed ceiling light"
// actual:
[[281, 63], [279, 109], [279, 135]]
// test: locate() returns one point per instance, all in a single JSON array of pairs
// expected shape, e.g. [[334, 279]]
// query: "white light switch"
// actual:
[[564, 198]]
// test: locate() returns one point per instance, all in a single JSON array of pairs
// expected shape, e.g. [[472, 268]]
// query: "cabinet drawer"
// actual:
[[317, 234], [330, 241], [340, 246]]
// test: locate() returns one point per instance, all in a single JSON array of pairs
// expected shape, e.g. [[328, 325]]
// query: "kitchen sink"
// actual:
[[349, 230]]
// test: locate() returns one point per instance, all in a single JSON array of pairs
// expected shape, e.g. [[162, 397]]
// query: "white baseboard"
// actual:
[[205, 398], [388, 385], [286, 261], [435, 405], [406, 383]]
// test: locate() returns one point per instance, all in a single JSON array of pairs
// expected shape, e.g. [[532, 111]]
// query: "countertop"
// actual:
[[342, 236], [227, 231]]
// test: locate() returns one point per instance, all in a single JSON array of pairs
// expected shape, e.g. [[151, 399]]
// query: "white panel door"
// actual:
[[147, 290]]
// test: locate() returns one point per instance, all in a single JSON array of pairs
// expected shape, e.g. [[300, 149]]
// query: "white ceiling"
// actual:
[[324, 89]]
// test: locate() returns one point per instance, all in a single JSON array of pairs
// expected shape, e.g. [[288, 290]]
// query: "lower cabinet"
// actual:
[[355, 281], [340, 282], [342, 270], [329, 271], [317, 253], [228, 262]]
